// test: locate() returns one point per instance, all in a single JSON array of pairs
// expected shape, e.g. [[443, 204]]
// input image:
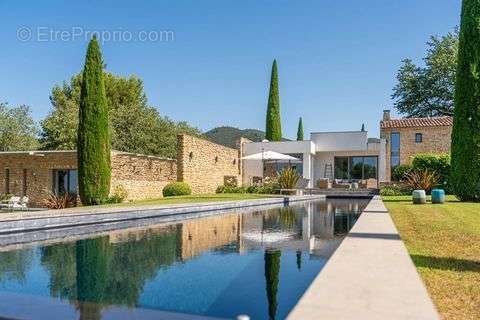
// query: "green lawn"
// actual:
[[193, 199], [444, 243]]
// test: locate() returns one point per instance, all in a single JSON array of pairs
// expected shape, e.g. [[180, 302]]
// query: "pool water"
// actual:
[[252, 262]]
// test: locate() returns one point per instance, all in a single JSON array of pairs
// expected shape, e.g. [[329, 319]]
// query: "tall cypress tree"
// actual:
[[465, 174], [300, 130], [93, 131], [273, 130]]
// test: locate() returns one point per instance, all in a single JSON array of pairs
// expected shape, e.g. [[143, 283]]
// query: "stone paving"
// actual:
[[370, 276]]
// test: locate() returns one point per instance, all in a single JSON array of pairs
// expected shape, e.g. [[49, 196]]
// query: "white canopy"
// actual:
[[271, 155]]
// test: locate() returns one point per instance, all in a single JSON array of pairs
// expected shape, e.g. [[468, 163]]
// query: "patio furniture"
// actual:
[[11, 203], [270, 156], [419, 197], [324, 183], [438, 196], [15, 202], [371, 183], [341, 184]]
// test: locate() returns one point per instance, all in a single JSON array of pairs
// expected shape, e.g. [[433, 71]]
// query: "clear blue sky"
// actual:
[[337, 59]]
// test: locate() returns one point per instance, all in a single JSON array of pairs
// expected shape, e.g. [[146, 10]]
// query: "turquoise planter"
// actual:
[[438, 196], [419, 197]]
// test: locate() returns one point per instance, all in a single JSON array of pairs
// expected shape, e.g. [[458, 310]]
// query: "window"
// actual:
[[7, 181], [24, 184], [394, 150], [65, 181], [418, 138], [356, 168]]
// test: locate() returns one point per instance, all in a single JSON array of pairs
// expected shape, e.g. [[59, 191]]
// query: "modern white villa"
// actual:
[[353, 156], [348, 155]]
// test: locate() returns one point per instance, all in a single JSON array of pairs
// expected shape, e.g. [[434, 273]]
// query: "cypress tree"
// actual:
[[273, 130], [272, 272], [465, 174], [363, 127], [300, 130], [93, 131]]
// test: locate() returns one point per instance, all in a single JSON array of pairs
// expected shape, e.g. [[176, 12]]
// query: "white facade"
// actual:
[[319, 151]]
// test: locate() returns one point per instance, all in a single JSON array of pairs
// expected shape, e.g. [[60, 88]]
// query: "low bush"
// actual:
[[177, 189], [401, 171], [231, 189], [5, 196], [119, 194], [66, 200], [258, 189], [395, 190]]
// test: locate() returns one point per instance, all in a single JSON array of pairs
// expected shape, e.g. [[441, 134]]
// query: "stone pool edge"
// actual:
[[29, 221], [369, 276]]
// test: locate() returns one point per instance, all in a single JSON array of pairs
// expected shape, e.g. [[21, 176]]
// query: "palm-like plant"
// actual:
[[288, 178], [421, 180], [54, 201]]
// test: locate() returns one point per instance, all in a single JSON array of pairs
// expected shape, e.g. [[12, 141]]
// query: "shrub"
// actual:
[[5, 196], [66, 200], [421, 180], [119, 194], [401, 171], [177, 189], [436, 163], [395, 190], [288, 178], [231, 189]]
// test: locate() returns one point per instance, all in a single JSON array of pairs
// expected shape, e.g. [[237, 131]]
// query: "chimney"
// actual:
[[386, 115]]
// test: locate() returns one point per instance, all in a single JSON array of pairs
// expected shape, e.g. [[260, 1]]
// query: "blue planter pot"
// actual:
[[419, 197], [438, 196]]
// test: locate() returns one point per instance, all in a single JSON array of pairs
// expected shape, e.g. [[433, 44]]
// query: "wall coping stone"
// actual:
[[48, 219]]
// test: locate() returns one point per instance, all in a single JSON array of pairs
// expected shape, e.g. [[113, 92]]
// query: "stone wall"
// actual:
[[200, 235], [31, 174], [434, 140], [204, 164], [143, 176]]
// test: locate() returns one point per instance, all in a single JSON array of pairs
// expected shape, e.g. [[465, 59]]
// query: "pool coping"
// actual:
[[51, 219], [369, 276]]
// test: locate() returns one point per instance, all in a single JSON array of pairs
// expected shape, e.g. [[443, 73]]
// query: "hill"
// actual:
[[228, 136]]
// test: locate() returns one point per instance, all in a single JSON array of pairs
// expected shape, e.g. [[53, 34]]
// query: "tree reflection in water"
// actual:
[[14, 265], [95, 272], [272, 271]]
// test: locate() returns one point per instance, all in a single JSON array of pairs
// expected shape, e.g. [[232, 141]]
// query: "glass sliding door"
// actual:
[[65, 181], [356, 168], [341, 168], [370, 167]]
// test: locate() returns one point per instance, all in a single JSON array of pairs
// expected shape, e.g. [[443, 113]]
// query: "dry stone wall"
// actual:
[[204, 164], [142, 176]]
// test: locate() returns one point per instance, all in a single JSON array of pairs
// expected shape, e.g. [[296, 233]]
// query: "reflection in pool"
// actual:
[[257, 263]]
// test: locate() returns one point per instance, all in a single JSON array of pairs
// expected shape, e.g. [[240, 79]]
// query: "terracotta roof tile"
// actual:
[[417, 122]]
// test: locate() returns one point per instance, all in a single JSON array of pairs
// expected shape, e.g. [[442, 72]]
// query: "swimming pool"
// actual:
[[253, 262]]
